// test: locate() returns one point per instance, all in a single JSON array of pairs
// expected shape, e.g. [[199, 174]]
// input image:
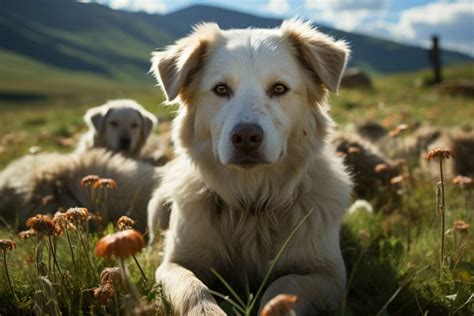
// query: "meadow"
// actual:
[[392, 254]]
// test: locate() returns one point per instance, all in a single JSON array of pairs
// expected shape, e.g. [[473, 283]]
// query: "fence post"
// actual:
[[435, 59]]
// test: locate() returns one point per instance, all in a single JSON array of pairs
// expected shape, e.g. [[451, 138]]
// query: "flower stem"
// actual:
[[140, 268], [54, 256], [441, 207], [8, 274], [86, 254], [71, 249]]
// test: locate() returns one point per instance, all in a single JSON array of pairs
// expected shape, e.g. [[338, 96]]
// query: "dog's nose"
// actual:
[[125, 143], [247, 137]]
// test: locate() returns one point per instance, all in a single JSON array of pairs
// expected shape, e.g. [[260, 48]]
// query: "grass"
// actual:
[[391, 255]]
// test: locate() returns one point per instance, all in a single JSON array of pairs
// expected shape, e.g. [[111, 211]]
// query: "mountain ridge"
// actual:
[[80, 37]]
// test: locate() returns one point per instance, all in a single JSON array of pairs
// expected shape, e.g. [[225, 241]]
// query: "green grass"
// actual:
[[391, 255]]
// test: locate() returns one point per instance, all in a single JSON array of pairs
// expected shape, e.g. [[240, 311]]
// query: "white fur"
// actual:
[[116, 120], [235, 219]]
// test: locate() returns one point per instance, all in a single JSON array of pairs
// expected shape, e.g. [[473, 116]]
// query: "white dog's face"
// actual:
[[121, 125], [249, 91]]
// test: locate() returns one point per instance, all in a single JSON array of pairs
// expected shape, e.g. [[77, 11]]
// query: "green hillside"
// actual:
[[88, 37]]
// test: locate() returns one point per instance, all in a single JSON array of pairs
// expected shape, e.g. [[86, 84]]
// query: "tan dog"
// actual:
[[119, 125], [253, 157]]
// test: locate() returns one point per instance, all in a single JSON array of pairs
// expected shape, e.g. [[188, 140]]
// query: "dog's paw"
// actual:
[[205, 308], [280, 305]]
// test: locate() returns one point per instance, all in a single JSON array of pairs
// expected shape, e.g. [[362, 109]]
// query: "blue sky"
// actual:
[[407, 21]]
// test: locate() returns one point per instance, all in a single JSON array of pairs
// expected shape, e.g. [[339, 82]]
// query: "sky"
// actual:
[[405, 21]]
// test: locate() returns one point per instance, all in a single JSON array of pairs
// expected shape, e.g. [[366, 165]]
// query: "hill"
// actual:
[[113, 44]]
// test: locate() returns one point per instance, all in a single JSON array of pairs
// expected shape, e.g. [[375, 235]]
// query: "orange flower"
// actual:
[[61, 221], [440, 153], [122, 244], [89, 181], [77, 215], [111, 275], [27, 234], [105, 183], [125, 222], [7, 244], [279, 305], [462, 180], [104, 293], [461, 226], [42, 224]]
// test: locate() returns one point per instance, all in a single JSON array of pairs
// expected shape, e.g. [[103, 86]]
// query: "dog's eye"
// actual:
[[279, 89], [113, 124], [222, 90]]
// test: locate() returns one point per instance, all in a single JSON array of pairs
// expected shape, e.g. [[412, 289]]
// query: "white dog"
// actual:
[[119, 125], [253, 157]]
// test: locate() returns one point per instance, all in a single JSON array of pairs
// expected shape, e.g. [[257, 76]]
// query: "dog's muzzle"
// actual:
[[246, 139]]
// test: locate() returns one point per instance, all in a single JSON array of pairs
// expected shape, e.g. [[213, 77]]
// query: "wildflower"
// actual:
[[397, 180], [27, 234], [361, 206], [104, 293], [381, 168], [462, 181], [77, 215], [281, 304], [111, 275], [122, 244], [105, 183], [125, 222], [7, 244], [440, 153], [461, 226], [42, 224], [61, 221], [89, 181]]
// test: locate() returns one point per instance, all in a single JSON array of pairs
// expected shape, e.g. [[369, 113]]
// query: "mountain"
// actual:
[[90, 38]]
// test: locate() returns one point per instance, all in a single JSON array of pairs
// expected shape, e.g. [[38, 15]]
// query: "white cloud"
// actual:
[[149, 6], [278, 6], [452, 21], [345, 14]]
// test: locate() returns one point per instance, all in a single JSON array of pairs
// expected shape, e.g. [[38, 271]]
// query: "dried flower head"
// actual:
[[440, 153], [125, 222], [397, 180], [381, 167], [90, 180], [462, 181], [62, 222], [7, 244], [104, 293], [27, 234], [42, 224], [77, 215], [279, 305], [121, 244], [111, 275], [461, 226], [105, 183]]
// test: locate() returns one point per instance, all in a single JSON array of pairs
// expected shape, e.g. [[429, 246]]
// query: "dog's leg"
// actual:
[[316, 292], [189, 295]]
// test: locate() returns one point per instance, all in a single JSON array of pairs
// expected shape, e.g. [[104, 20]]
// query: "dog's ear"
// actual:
[[318, 53], [149, 123], [95, 117], [176, 67]]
